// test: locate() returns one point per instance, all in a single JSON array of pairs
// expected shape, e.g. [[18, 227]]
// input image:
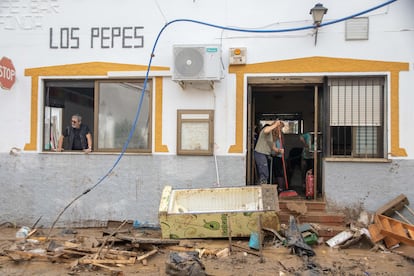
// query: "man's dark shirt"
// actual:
[[74, 139], [77, 145]]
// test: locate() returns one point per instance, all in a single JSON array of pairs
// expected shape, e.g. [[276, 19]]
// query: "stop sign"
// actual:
[[7, 73]]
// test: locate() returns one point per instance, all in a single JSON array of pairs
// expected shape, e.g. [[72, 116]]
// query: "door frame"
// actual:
[[317, 82]]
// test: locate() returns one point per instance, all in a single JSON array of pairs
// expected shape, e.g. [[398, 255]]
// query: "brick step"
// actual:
[[328, 232], [302, 206], [327, 224], [322, 218]]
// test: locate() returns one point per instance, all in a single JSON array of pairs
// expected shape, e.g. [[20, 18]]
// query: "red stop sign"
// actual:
[[7, 73]]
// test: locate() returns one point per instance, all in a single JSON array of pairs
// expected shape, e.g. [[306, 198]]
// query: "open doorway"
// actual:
[[298, 103]]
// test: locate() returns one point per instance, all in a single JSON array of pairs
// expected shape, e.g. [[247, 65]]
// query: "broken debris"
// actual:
[[295, 240], [390, 230], [185, 263]]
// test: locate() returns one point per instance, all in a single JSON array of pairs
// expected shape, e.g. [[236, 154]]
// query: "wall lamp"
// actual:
[[317, 13]]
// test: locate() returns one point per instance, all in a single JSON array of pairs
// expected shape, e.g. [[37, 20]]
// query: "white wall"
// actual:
[[45, 180], [26, 37]]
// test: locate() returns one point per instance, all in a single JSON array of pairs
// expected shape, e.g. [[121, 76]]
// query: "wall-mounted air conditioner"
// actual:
[[197, 63]]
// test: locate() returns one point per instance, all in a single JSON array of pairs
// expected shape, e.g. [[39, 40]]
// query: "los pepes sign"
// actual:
[[7, 73]]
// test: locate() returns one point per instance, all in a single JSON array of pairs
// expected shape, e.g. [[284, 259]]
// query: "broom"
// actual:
[[288, 192]]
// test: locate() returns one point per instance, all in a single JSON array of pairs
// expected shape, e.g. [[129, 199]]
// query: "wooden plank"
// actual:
[[385, 223], [106, 239], [31, 233], [229, 231], [74, 252], [186, 249], [23, 255], [147, 240], [395, 204], [398, 228], [411, 233], [107, 261], [152, 252], [247, 250], [406, 226], [385, 228], [88, 250], [390, 233], [374, 231], [397, 237], [113, 269]]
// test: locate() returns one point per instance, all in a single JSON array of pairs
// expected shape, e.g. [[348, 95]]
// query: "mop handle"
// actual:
[[283, 160]]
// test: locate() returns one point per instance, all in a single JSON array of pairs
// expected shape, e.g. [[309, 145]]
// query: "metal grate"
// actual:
[[357, 28], [356, 117]]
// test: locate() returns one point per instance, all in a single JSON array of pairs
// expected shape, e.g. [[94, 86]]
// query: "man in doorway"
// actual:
[[279, 157], [78, 136], [262, 152]]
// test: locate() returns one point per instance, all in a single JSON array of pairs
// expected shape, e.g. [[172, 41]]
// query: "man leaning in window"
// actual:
[[78, 136]]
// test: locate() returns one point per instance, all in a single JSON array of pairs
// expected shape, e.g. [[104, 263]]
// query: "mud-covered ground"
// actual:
[[275, 259]]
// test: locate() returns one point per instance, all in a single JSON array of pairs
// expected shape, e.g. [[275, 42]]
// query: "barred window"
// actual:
[[356, 115]]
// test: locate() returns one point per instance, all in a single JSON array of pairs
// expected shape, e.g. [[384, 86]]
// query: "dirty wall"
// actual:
[[39, 185], [367, 186]]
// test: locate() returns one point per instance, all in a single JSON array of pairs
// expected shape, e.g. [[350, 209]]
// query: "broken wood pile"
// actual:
[[116, 248], [113, 251], [381, 227], [122, 245], [389, 229]]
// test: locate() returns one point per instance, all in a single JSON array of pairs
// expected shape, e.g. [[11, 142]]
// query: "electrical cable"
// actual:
[[149, 68]]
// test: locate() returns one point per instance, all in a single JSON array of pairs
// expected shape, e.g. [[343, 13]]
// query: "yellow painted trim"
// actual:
[[321, 65], [395, 116], [34, 116], [79, 69], [87, 69], [159, 147], [238, 147]]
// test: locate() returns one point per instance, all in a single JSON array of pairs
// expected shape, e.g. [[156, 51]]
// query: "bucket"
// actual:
[[340, 238], [23, 232], [254, 241]]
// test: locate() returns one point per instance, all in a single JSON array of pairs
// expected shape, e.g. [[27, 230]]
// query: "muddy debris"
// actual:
[[125, 250]]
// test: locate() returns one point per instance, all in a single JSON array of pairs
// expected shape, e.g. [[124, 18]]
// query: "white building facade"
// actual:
[[173, 90]]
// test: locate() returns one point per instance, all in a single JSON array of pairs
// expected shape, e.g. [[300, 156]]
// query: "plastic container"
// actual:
[[254, 241], [137, 224], [23, 232], [311, 239]]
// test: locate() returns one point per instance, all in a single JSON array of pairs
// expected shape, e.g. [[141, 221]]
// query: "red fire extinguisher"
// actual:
[[309, 184]]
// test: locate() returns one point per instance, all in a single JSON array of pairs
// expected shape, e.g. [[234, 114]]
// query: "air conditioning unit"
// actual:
[[197, 63]]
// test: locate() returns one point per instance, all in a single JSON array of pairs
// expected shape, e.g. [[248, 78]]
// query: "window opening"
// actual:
[[117, 105], [356, 117], [108, 108], [195, 133]]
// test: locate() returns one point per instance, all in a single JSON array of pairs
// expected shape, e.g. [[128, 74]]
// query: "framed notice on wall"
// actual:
[[195, 132]]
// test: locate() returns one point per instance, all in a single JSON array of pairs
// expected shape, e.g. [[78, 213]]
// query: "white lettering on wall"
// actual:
[[7, 73], [33, 14], [18, 22], [26, 14]]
